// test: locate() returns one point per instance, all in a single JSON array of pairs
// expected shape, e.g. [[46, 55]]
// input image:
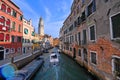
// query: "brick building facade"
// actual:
[[10, 29], [91, 35]]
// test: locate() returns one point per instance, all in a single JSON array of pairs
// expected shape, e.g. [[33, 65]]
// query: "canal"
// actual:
[[66, 69]]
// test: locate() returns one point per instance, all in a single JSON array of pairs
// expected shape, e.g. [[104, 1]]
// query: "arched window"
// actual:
[[13, 25], [25, 31], [3, 7], [2, 20], [8, 22], [8, 10]]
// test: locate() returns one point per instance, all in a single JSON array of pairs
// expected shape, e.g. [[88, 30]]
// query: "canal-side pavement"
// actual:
[[18, 63], [17, 58], [28, 71]]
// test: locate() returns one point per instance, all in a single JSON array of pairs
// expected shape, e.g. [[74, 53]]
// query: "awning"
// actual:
[[7, 37], [8, 10], [8, 22], [1, 36]]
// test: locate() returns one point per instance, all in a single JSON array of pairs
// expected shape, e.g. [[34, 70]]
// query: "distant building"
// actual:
[[47, 41], [36, 41], [91, 35], [10, 29], [41, 27], [28, 36], [56, 42]]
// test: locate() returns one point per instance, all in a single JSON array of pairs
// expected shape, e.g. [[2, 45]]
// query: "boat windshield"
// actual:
[[54, 56]]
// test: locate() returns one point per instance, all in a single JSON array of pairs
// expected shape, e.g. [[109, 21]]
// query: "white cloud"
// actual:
[[48, 14], [53, 28]]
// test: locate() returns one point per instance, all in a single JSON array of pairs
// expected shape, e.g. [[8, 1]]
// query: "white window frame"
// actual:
[[113, 67], [96, 58], [82, 36], [89, 32], [88, 5], [111, 31]]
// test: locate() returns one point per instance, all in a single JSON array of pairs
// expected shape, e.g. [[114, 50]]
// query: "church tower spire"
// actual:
[[41, 27]]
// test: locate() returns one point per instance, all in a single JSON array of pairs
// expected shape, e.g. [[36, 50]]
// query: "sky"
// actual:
[[53, 12]]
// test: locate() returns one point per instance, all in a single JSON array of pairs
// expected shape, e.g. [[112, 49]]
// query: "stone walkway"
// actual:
[[28, 71], [17, 58]]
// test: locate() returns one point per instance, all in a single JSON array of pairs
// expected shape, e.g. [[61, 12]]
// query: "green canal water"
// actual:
[[66, 69]]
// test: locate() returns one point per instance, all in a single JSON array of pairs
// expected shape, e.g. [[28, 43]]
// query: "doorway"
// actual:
[[74, 53], [1, 53]]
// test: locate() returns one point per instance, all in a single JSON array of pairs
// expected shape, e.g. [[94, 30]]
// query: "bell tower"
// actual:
[[41, 27]]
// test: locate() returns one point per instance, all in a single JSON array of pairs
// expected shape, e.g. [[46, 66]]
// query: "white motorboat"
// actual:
[[54, 58]]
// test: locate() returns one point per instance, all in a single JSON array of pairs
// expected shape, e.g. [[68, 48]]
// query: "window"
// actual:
[[75, 37], [78, 9], [13, 25], [8, 10], [28, 41], [79, 20], [105, 1], [79, 52], [33, 33], [13, 38], [19, 50], [84, 37], [117, 67], [14, 13], [83, 1], [115, 23], [18, 39], [83, 17], [3, 7], [71, 28], [1, 53], [79, 38], [2, 20], [85, 55], [7, 50], [23, 40], [72, 38], [92, 33], [12, 50], [21, 17], [91, 8], [8, 22], [75, 23], [93, 58], [25, 31], [70, 49], [19, 28]]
